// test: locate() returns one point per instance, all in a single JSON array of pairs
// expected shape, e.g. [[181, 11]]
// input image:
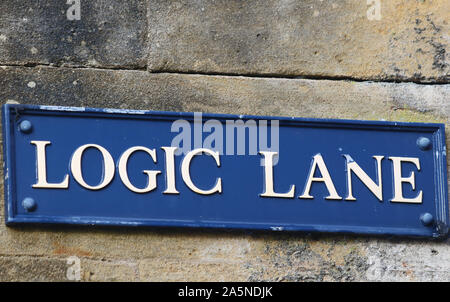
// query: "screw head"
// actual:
[[424, 143], [25, 126], [426, 219], [29, 204]]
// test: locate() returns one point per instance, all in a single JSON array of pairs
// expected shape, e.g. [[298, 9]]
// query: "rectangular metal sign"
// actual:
[[147, 168]]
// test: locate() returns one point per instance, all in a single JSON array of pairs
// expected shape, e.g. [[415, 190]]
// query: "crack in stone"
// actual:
[[262, 76]]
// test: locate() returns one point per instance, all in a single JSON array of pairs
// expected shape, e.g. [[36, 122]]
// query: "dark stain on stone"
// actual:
[[439, 55], [109, 33], [435, 28], [419, 30], [429, 33], [291, 259]]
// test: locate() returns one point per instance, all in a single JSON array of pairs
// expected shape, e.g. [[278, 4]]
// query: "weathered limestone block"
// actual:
[[108, 270], [318, 258], [225, 94], [341, 258], [20, 269], [377, 39], [197, 270], [400, 261], [103, 33], [196, 255]]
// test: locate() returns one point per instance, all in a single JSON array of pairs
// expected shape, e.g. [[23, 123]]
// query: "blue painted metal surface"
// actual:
[[239, 205]]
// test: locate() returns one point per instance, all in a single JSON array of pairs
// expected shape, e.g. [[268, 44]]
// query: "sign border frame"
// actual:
[[441, 228]]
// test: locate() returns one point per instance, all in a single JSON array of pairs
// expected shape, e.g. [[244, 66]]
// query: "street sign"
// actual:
[[69, 165]]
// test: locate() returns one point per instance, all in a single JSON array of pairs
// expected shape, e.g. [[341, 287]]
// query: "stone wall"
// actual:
[[356, 59]]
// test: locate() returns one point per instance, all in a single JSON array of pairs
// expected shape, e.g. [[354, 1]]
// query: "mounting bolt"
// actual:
[[25, 126], [29, 204], [424, 143], [426, 219]]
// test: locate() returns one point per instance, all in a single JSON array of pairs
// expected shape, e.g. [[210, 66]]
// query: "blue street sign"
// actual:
[[146, 168]]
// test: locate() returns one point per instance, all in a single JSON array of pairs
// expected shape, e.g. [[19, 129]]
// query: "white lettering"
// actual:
[[268, 176], [399, 180], [185, 171], [352, 166], [326, 178], [108, 167], [151, 184], [41, 169]]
